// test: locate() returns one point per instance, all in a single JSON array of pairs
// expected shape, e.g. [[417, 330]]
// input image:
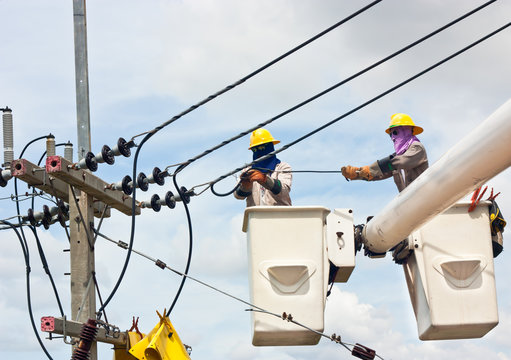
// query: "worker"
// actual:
[[406, 164], [268, 181]]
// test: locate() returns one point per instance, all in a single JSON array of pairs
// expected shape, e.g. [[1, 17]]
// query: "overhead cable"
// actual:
[[149, 134], [386, 92], [47, 269], [264, 67], [287, 317], [29, 298], [190, 248], [363, 71]]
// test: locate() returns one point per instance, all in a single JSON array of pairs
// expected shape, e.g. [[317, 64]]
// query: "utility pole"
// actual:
[[83, 291], [87, 196]]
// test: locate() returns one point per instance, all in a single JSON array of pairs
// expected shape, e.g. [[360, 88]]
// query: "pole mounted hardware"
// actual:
[[89, 183], [156, 203], [63, 326], [38, 178], [123, 147]]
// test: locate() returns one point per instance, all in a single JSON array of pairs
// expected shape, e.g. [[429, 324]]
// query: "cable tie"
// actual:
[[336, 338], [122, 244], [160, 264]]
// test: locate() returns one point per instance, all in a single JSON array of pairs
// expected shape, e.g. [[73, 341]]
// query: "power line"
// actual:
[[29, 298], [47, 269], [287, 146], [287, 317], [190, 247], [335, 86], [264, 67], [149, 134]]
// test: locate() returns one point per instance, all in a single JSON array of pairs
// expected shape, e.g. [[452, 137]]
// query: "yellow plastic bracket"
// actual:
[[161, 343], [121, 352]]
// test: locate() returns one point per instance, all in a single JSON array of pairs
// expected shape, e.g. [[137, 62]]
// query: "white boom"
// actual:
[[480, 156]]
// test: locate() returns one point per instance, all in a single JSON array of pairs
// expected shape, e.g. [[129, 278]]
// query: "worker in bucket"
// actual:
[[406, 164], [268, 181]]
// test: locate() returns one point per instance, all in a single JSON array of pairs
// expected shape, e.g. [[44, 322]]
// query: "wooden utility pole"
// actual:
[[83, 291], [87, 196]]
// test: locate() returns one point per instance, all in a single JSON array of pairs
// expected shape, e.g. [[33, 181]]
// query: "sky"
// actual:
[[149, 61]]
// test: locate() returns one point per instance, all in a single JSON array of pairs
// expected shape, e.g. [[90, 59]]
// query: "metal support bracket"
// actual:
[[89, 183], [37, 177], [72, 328]]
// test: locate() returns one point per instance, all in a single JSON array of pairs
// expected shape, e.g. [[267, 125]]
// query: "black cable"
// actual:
[[46, 268], [253, 307], [285, 147], [264, 67], [29, 299], [346, 80], [193, 107], [89, 238], [99, 294], [224, 194], [190, 245], [132, 232], [18, 212]]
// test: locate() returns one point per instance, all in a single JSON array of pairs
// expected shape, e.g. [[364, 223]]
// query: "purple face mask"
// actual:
[[402, 137]]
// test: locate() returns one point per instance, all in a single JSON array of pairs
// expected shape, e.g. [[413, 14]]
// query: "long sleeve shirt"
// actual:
[[263, 196], [406, 167]]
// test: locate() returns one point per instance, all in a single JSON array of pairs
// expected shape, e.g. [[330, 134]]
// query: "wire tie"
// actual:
[[122, 244], [160, 264]]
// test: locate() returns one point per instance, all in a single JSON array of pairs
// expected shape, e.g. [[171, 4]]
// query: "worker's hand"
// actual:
[[256, 175], [245, 182], [350, 172], [364, 173]]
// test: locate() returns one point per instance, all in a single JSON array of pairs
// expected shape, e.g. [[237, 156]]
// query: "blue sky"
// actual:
[[151, 60]]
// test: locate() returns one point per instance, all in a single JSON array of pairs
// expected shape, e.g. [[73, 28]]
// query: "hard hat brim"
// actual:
[[275, 142], [416, 129]]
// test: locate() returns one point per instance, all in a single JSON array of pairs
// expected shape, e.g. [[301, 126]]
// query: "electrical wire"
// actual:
[[190, 245], [149, 134], [386, 92], [47, 269], [253, 307], [89, 238], [264, 67], [335, 86], [16, 186], [29, 299]]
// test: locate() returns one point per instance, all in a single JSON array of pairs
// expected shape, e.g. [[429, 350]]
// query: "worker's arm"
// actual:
[[413, 157]]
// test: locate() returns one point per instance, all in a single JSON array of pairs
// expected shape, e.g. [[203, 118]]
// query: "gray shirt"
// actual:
[[407, 167]]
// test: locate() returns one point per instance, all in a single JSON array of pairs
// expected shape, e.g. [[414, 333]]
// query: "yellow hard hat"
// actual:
[[261, 136], [400, 119]]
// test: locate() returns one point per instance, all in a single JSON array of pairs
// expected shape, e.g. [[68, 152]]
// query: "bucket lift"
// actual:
[[450, 273], [289, 265]]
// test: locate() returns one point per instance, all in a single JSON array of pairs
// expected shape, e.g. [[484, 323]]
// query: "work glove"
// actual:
[[350, 172], [356, 173], [364, 173], [245, 182], [256, 175]]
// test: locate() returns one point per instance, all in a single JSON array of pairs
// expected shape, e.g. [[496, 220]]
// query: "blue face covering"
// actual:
[[267, 165]]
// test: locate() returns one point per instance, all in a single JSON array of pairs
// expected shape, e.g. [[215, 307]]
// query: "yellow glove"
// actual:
[[356, 173], [364, 173], [350, 172]]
